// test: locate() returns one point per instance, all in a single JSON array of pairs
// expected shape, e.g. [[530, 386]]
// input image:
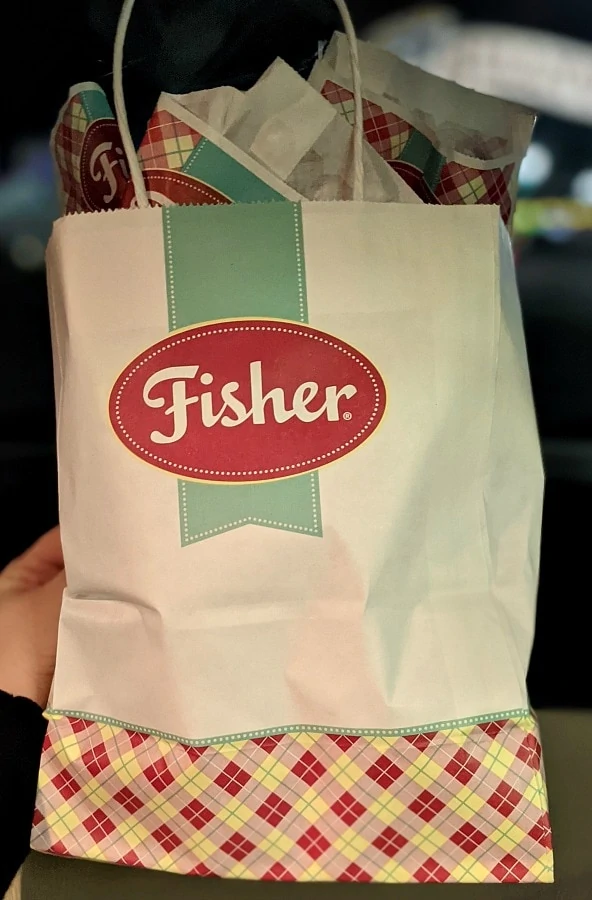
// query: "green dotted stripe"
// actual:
[[449, 725]]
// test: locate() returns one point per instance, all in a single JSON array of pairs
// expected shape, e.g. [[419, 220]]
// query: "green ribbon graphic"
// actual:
[[216, 168], [421, 153], [233, 262], [95, 105]]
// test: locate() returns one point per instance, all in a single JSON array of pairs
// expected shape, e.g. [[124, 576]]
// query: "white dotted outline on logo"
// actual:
[[293, 469]]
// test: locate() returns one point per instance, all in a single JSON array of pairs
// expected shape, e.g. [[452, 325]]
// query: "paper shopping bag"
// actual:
[[300, 491], [300, 488]]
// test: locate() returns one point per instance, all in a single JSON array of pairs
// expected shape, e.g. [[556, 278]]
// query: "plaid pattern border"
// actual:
[[434, 178], [67, 141], [463, 805], [459, 184], [168, 142]]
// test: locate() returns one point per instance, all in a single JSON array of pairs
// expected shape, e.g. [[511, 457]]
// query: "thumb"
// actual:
[[50, 594]]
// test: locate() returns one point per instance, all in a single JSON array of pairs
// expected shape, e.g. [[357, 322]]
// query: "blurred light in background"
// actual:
[[28, 203], [27, 252], [549, 72], [536, 168], [581, 187]]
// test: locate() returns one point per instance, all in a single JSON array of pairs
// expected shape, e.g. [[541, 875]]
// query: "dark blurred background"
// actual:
[[50, 46]]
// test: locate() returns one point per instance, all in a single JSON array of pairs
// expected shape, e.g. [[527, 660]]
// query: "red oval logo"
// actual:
[[246, 401], [103, 167], [168, 186]]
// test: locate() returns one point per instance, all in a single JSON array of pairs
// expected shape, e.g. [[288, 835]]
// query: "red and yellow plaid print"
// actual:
[[455, 184], [463, 805], [168, 145], [168, 142], [67, 142]]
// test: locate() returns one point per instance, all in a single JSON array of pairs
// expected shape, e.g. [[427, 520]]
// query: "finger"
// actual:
[[47, 550], [50, 596], [37, 565]]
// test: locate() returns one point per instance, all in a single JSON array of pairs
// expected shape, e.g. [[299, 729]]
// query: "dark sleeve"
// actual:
[[187, 45], [181, 46], [22, 730]]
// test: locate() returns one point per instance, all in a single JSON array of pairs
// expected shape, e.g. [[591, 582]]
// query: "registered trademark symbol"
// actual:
[[347, 416]]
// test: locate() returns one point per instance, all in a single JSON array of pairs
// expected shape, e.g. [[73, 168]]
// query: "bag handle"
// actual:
[[122, 120]]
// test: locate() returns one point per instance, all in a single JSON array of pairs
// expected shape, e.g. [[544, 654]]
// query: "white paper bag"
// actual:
[[388, 593], [300, 488]]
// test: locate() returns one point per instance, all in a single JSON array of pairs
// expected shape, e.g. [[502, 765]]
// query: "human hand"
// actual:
[[31, 590]]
